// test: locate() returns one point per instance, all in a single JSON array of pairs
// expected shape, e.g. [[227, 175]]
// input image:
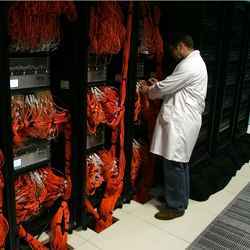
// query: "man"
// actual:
[[178, 122]]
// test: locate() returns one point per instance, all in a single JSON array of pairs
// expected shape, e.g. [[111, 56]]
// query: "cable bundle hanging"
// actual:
[[107, 31], [137, 162], [35, 25], [4, 227], [112, 190], [60, 227], [152, 41], [148, 113], [110, 105], [60, 222], [94, 173], [102, 167], [39, 188], [114, 109], [103, 107], [138, 105], [95, 113], [37, 116], [115, 186], [30, 239]]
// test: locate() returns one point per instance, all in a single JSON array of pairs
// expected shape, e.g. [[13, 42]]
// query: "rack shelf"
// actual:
[[32, 155]]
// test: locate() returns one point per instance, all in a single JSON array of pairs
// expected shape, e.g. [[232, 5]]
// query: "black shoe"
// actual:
[[168, 214]]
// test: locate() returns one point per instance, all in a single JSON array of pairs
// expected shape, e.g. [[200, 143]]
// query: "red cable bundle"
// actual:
[[110, 105], [36, 116], [115, 178], [35, 190], [102, 167], [30, 239], [115, 182], [107, 31], [4, 227], [94, 174], [60, 222], [38, 188], [95, 113], [152, 39], [103, 108], [136, 163], [138, 104], [150, 110], [68, 159], [60, 227], [112, 191], [35, 24], [113, 171]]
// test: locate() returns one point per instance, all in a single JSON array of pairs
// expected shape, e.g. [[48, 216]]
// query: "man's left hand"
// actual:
[[144, 89]]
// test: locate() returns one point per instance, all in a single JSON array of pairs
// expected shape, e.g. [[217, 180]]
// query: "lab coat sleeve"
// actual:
[[179, 79]]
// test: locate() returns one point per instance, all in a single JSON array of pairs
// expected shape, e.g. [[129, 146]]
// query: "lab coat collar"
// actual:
[[194, 52]]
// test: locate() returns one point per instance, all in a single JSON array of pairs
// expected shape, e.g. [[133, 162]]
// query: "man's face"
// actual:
[[176, 52]]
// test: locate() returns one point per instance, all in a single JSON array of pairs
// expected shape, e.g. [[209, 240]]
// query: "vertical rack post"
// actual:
[[130, 100], [5, 130], [79, 109]]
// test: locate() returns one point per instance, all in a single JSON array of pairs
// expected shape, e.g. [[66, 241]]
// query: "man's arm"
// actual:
[[172, 84]]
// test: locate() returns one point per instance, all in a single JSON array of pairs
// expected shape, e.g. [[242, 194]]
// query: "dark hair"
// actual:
[[182, 37]]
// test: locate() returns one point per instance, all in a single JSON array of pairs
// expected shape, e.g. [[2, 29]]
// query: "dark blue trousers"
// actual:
[[176, 184]]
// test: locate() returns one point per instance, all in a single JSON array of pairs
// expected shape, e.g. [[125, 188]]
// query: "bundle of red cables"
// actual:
[[37, 116], [152, 39], [35, 25], [147, 110], [102, 168], [42, 188], [39, 188], [94, 173], [138, 104], [103, 107], [137, 162], [4, 227], [107, 31], [108, 36]]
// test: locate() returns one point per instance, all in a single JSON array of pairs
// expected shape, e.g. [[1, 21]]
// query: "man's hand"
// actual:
[[152, 81], [144, 89], [142, 82]]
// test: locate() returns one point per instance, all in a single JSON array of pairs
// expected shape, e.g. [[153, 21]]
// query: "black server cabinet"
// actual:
[[210, 46]]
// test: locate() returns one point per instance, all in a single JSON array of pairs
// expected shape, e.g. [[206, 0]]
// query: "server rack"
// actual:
[[233, 71], [230, 73], [137, 131], [242, 107], [23, 73], [5, 127], [95, 75], [210, 46]]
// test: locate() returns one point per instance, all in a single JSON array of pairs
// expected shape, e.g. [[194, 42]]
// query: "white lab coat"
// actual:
[[179, 121]]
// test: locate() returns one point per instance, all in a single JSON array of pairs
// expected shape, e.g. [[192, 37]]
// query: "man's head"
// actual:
[[181, 45]]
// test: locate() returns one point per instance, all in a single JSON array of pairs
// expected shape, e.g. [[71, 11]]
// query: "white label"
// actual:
[[64, 84], [14, 83], [17, 163]]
